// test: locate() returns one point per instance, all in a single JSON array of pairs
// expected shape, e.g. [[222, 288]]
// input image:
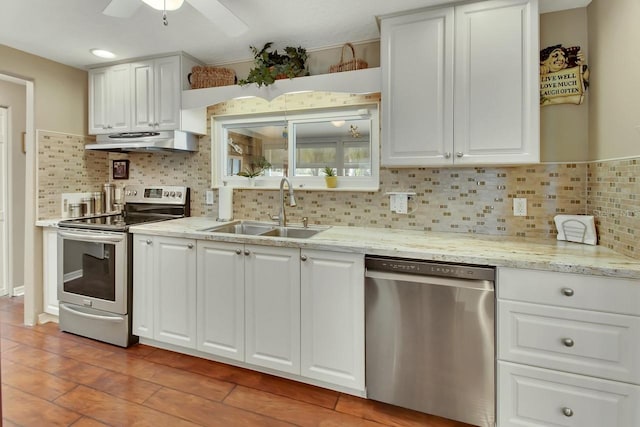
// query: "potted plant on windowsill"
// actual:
[[256, 168], [271, 66], [330, 177]]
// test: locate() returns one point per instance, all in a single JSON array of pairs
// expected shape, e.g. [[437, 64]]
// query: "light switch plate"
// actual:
[[402, 204], [519, 206], [208, 197]]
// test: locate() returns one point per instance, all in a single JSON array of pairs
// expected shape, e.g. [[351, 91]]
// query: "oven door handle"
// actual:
[[113, 319], [91, 237]]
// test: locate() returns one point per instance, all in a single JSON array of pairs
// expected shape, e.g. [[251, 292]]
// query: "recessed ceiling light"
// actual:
[[101, 53]]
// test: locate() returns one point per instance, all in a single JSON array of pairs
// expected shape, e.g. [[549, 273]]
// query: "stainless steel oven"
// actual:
[[95, 260]]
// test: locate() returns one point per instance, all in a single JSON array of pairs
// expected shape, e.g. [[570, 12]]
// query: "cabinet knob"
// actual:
[[568, 412], [238, 251], [568, 292], [190, 245], [149, 241], [447, 155], [568, 342], [303, 257], [247, 252], [459, 154]]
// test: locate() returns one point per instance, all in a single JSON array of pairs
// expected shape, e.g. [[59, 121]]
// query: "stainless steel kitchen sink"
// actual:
[[267, 229]]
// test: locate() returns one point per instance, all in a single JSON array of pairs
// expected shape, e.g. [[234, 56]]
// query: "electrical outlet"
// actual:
[[208, 195], [402, 205], [519, 206], [393, 202]]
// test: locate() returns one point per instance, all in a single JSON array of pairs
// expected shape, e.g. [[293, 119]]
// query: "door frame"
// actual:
[[32, 234], [5, 192]]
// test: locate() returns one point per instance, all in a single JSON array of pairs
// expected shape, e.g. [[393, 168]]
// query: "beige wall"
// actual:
[[564, 128], [60, 91], [14, 96], [614, 112]]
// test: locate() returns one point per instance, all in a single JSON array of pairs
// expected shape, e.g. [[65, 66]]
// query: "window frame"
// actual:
[[221, 124]]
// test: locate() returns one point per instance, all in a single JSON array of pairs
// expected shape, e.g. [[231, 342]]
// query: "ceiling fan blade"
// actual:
[[122, 8], [222, 17]]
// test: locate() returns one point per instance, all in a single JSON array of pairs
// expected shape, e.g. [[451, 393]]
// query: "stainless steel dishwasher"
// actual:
[[430, 337]]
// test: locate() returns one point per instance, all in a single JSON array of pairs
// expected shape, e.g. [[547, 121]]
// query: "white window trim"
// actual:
[[219, 147]]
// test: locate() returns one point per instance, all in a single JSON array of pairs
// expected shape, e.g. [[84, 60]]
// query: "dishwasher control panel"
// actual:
[[430, 268]]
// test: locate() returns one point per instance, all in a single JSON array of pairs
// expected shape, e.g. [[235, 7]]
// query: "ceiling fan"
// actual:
[[213, 10]]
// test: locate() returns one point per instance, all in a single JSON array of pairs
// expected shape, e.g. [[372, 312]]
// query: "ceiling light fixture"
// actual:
[[101, 53], [164, 4]]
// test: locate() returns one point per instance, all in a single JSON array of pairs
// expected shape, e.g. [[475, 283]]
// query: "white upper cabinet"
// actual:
[[142, 96], [110, 99], [460, 85], [417, 88], [496, 83], [156, 94]]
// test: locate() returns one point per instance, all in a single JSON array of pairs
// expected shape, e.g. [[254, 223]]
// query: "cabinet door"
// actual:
[[143, 281], [50, 269], [142, 94], [417, 91], [98, 102], [119, 95], [220, 309], [272, 286], [175, 291], [496, 82], [529, 396], [332, 317], [167, 93]]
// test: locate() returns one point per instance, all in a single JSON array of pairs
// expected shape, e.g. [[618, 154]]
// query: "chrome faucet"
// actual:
[[282, 216]]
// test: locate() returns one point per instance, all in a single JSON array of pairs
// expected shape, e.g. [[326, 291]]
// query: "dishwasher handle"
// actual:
[[475, 284]]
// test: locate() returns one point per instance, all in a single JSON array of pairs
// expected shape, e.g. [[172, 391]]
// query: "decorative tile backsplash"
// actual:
[[613, 197], [65, 167], [462, 200]]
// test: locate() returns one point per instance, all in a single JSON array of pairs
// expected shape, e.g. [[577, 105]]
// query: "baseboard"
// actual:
[[46, 318], [18, 291]]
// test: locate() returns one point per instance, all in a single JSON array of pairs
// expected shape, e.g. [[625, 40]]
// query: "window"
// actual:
[[299, 145]]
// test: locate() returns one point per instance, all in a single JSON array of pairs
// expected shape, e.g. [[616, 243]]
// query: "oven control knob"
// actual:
[[166, 194], [135, 192], [173, 194], [179, 194]]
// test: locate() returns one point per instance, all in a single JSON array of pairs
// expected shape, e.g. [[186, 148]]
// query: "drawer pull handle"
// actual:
[[246, 252], [148, 242], [568, 342], [568, 292], [190, 245], [238, 251], [568, 412]]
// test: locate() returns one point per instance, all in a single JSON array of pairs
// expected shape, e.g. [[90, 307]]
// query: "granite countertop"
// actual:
[[500, 251]]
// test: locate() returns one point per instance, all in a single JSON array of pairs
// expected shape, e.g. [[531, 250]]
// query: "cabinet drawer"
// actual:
[[570, 290], [585, 342], [538, 397]]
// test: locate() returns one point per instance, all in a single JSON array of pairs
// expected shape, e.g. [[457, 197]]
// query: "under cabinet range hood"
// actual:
[[176, 141]]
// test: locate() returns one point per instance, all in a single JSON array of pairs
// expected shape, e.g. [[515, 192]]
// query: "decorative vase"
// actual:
[[332, 181]]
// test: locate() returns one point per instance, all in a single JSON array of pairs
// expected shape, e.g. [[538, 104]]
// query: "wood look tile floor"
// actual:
[[51, 378]]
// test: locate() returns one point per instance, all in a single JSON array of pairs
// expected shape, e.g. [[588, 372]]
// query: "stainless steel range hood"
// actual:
[[168, 141]]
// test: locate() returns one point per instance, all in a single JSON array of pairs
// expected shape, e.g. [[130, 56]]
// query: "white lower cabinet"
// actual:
[[273, 307], [532, 396], [50, 270], [568, 351], [170, 285], [332, 317], [220, 306]]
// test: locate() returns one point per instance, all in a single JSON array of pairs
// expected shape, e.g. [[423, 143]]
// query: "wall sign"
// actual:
[[564, 77]]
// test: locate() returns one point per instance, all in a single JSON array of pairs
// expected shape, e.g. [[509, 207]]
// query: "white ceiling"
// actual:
[[65, 30]]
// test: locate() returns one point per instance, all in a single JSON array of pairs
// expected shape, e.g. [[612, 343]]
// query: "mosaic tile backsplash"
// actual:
[[463, 200]]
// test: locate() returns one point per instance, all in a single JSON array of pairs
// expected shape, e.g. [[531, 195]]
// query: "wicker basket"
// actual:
[[205, 76], [350, 65]]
